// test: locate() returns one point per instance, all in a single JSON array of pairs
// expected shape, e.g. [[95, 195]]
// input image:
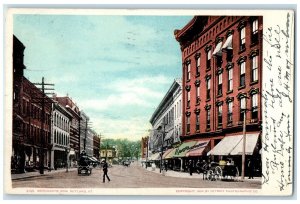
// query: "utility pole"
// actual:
[[244, 141], [244, 147], [84, 141], [43, 88]]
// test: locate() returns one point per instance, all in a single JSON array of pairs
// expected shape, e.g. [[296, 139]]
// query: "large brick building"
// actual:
[[221, 78], [31, 121]]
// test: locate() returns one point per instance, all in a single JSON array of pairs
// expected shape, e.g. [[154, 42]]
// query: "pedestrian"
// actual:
[[166, 166], [191, 167], [105, 170], [49, 167], [250, 168]]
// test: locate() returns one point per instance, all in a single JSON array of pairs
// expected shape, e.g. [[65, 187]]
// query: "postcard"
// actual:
[[149, 102]]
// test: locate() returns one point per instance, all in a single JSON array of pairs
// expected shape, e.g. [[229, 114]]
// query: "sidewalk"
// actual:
[[195, 175], [37, 173]]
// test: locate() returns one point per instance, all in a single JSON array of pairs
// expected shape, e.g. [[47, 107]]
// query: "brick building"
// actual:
[[221, 78], [144, 148], [31, 120]]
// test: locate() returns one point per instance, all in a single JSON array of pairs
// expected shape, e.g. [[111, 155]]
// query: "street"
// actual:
[[133, 176]]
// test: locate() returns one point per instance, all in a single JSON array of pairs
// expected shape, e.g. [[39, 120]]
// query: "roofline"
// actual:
[[179, 33], [171, 90]]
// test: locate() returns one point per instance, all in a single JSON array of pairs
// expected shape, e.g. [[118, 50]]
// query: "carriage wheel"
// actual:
[[210, 175], [218, 173]]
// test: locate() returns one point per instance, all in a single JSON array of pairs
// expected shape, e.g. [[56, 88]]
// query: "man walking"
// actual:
[[105, 170]]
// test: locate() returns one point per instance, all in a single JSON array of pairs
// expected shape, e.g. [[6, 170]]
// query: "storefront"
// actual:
[[231, 148]]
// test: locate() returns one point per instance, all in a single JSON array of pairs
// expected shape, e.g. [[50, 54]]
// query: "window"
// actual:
[[220, 116], [254, 69], [198, 65], [229, 114], [254, 34], [242, 73], [188, 72], [254, 114], [188, 125], [229, 55], [242, 108], [220, 84], [230, 82], [208, 89], [218, 61], [242, 39], [208, 119], [198, 95], [197, 122], [208, 59], [188, 98]]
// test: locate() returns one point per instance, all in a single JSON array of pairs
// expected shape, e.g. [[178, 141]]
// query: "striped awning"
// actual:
[[199, 148], [233, 145], [167, 152]]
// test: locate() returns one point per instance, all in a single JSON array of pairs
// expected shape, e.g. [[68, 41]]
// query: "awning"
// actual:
[[228, 43], [170, 154], [166, 153], [233, 145], [218, 50], [198, 149], [155, 156], [184, 148]]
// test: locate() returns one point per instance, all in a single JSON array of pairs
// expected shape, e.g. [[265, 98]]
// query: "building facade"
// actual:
[[72, 108], [31, 119], [144, 148], [96, 146], [60, 137], [166, 122], [221, 79], [86, 134]]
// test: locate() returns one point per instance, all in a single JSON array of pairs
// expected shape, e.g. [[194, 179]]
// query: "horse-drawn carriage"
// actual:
[[228, 171], [218, 171]]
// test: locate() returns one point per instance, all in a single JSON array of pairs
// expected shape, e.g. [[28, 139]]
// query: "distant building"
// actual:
[[108, 153], [96, 146], [221, 79], [144, 148]]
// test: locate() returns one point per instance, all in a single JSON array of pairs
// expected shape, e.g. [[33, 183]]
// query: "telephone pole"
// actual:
[[43, 102]]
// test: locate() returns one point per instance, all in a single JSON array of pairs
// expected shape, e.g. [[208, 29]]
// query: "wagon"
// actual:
[[226, 171]]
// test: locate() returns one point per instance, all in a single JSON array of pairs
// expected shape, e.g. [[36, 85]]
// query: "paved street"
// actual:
[[126, 177]]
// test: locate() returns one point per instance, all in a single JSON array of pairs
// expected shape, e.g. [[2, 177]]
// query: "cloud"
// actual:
[[133, 128], [129, 92]]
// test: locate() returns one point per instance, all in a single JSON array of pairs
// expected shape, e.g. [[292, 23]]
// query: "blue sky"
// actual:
[[116, 68]]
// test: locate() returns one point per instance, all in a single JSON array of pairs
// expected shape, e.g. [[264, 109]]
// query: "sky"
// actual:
[[116, 69]]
